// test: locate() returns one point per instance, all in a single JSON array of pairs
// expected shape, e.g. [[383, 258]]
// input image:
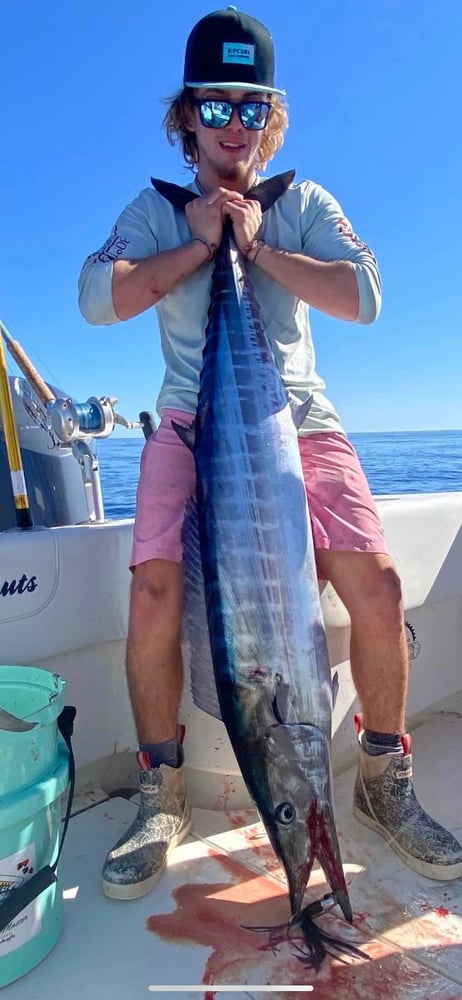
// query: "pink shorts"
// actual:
[[343, 514]]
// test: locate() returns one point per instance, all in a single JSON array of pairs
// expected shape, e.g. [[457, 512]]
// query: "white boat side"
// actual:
[[64, 606]]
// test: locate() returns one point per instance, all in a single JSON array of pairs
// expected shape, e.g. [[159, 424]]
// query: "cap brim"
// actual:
[[234, 86]]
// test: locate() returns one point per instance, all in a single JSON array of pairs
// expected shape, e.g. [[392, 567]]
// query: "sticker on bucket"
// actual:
[[14, 871]]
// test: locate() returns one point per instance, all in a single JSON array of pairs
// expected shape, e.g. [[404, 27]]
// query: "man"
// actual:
[[230, 120]]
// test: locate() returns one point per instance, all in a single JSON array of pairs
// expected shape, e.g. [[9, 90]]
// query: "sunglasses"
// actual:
[[217, 114]]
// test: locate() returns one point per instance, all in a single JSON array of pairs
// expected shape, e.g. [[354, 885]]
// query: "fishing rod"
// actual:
[[41, 389], [73, 423], [72, 420], [18, 482]]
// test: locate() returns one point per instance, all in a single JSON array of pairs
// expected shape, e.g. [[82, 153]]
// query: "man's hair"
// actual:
[[180, 107]]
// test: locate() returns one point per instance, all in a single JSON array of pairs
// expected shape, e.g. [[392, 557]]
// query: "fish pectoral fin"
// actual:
[[281, 701], [186, 434], [176, 195]]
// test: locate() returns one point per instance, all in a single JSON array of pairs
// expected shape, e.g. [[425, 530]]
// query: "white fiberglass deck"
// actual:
[[189, 931]]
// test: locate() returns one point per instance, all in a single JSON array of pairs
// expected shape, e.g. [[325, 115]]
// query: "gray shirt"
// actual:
[[306, 219]]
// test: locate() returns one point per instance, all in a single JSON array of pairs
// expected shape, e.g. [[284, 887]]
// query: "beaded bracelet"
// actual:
[[211, 247], [256, 245]]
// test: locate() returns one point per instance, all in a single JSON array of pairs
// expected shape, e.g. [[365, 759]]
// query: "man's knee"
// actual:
[[383, 599], [157, 594]]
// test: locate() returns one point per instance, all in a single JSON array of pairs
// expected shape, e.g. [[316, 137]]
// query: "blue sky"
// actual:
[[374, 100]]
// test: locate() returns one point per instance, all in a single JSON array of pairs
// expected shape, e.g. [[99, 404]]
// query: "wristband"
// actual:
[[211, 247], [256, 245]]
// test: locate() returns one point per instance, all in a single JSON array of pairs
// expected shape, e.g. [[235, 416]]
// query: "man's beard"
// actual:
[[233, 172], [229, 173]]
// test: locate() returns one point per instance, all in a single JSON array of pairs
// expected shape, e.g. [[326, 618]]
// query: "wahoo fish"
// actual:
[[252, 607]]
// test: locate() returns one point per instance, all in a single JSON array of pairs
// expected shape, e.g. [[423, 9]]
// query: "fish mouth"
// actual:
[[298, 881], [291, 764], [322, 846], [315, 840], [325, 848]]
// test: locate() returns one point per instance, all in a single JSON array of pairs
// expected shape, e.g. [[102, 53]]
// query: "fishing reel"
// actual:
[[72, 421]]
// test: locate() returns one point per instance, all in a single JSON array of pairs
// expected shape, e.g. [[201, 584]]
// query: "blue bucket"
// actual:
[[34, 772]]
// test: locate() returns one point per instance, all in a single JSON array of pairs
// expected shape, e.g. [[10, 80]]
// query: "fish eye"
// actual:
[[285, 813]]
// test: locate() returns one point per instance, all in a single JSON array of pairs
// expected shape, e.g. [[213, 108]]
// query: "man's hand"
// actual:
[[205, 214], [246, 217]]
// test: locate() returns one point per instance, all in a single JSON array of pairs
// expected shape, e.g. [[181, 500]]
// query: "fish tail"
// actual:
[[267, 192], [178, 196]]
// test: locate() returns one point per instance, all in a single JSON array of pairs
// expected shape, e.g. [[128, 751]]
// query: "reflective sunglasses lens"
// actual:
[[254, 114], [215, 114]]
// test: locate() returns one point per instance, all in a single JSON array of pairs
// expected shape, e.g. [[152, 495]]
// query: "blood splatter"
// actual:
[[243, 819], [212, 914], [252, 835]]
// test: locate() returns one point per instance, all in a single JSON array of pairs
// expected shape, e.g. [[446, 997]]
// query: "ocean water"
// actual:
[[394, 462]]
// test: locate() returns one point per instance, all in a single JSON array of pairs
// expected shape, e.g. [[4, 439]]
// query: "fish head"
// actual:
[[291, 785]]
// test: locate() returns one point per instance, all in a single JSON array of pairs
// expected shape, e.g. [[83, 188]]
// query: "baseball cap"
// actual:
[[232, 50]]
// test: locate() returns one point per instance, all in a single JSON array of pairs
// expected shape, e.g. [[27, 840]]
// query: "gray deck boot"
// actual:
[[384, 800], [137, 860]]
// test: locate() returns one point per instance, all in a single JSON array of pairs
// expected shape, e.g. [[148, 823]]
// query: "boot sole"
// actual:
[[138, 889], [441, 873]]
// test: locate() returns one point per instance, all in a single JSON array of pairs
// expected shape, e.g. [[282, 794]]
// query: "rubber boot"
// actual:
[[384, 800], [138, 859]]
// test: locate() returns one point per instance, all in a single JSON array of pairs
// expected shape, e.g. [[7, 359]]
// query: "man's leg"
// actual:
[[154, 664], [384, 798], [370, 589], [155, 680]]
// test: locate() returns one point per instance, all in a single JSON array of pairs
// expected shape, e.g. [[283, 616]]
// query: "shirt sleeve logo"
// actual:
[[346, 230], [114, 247]]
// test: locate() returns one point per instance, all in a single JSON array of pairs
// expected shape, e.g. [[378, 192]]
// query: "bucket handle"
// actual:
[[25, 894]]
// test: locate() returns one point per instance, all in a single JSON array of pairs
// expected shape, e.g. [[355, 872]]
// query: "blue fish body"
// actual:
[[249, 552]]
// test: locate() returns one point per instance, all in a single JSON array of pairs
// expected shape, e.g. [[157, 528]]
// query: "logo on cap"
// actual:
[[235, 53]]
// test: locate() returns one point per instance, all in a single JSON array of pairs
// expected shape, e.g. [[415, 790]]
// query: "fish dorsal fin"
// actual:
[[266, 193], [176, 195], [195, 626]]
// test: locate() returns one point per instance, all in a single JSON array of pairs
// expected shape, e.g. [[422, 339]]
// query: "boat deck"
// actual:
[[190, 935]]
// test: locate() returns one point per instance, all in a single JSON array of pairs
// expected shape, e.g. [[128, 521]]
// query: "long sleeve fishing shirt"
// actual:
[[306, 219]]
